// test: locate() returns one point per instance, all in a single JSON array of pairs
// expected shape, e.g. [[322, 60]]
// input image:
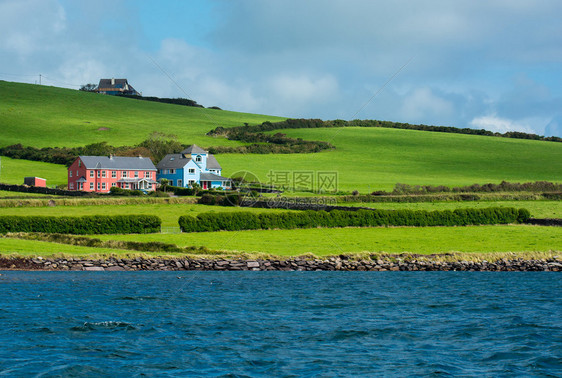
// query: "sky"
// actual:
[[494, 64]]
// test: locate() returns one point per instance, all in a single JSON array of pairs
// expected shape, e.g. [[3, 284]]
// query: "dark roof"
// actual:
[[193, 149], [212, 162], [117, 162], [121, 85], [173, 161], [212, 177]]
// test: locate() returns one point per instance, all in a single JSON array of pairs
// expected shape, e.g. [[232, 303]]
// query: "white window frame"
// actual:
[[92, 173], [69, 173], [180, 182], [71, 186], [124, 175], [113, 174], [191, 171], [92, 185], [103, 174]]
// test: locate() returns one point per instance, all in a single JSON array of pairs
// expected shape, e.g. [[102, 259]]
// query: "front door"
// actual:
[[204, 184]]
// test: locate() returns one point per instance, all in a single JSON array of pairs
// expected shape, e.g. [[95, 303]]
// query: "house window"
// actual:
[[98, 186], [103, 186], [98, 174], [190, 182], [92, 174], [125, 174], [69, 173], [79, 163], [172, 171], [113, 174], [147, 174], [191, 171], [102, 173], [180, 182], [92, 185], [171, 182], [198, 158], [126, 186], [80, 186], [71, 186], [114, 184], [136, 173]]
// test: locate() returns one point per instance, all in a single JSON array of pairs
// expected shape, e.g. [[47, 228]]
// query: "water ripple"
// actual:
[[237, 324]]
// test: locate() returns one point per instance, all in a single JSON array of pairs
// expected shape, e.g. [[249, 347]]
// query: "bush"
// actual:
[[344, 218], [87, 225]]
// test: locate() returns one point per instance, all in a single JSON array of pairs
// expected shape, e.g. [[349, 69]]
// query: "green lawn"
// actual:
[[168, 213], [321, 242], [14, 170], [43, 116], [19, 247], [368, 159]]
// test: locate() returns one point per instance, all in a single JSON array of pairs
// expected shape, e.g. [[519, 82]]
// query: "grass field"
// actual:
[[42, 116], [18, 247], [368, 159], [14, 170], [365, 159], [168, 213], [322, 242]]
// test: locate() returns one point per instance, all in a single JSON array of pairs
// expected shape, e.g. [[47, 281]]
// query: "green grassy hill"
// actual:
[[42, 116], [365, 159]]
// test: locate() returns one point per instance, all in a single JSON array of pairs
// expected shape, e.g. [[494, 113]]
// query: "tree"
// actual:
[[89, 87]]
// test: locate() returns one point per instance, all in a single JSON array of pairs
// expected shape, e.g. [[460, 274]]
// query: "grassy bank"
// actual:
[[368, 159], [14, 170], [322, 242], [75, 118]]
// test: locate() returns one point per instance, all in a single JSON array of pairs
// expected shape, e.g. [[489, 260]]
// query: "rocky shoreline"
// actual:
[[341, 263]]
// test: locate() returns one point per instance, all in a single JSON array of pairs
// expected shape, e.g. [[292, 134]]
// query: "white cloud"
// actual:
[[500, 125]]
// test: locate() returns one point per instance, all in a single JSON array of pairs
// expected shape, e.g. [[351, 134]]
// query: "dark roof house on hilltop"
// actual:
[[116, 87]]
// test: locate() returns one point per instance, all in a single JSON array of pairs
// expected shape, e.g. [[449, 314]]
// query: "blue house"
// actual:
[[193, 165]]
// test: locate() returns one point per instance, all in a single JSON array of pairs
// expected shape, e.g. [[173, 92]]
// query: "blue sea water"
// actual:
[[280, 324]]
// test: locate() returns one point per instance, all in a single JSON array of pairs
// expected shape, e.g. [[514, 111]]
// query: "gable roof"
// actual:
[[193, 149], [212, 162], [213, 177], [119, 85], [117, 162], [173, 161]]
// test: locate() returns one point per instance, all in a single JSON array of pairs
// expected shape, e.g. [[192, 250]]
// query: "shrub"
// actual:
[[87, 225], [344, 218]]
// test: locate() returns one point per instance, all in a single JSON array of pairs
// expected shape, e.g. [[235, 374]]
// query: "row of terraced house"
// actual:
[[192, 166]]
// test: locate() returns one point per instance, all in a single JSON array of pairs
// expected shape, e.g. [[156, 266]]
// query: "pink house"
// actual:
[[100, 173]]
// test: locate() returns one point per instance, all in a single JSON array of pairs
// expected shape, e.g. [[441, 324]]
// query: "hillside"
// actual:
[[42, 116], [365, 159]]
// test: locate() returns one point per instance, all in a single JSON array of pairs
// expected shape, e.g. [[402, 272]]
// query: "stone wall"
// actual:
[[295, 264]]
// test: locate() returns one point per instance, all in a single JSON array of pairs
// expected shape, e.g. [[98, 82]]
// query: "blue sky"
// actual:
[[494, 64]]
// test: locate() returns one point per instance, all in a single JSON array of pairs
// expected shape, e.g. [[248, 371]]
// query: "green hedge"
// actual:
[[87, 225], [341, 218]]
